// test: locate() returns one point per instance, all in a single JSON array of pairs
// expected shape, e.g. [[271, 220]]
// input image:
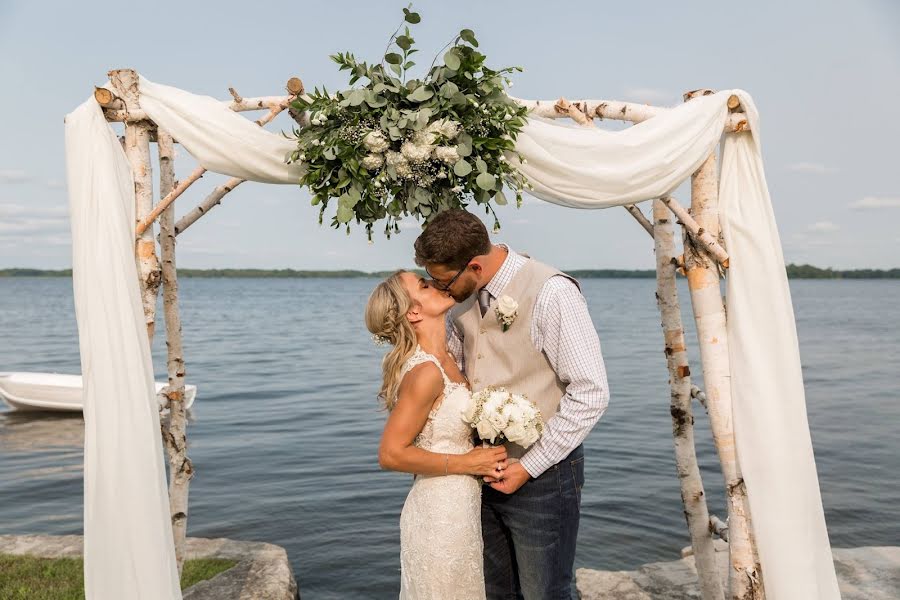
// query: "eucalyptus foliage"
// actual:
[[393, 146]]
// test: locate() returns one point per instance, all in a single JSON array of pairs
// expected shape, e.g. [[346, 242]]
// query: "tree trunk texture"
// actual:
[[174, 428], [692, 494], [709, 313], [137, 150]]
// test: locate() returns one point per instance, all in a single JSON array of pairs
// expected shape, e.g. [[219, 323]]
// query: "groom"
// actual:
[[551, 354]]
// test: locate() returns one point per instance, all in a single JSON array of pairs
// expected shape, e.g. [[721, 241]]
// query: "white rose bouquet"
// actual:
[[499, 415]]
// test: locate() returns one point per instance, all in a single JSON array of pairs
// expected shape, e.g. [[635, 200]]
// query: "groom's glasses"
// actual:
[[445, 287]]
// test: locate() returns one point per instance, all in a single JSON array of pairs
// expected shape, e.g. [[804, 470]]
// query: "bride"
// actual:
[[425, 392]]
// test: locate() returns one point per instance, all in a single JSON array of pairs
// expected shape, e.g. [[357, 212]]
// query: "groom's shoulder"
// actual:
[[553, 277]]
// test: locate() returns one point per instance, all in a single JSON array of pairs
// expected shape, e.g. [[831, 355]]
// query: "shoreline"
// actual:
[[793, 272]]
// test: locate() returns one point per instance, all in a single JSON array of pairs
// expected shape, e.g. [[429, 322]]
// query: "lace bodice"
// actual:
[[440, 526], [444, 431]]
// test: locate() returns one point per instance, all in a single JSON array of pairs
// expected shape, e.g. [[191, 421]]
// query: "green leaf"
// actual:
[[404, 42], [486, 181], [469, 36], [421, 94], [422, 195], [481, 165], [357, 97], [409, 64], [344, 214], [393, 58], [500, 199], [463, 149], [451, 59], [413, 18], [462, 168], [396, 69], [329, 154]]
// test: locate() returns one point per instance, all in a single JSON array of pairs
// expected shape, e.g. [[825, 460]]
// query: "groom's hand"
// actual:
[[514, 477]]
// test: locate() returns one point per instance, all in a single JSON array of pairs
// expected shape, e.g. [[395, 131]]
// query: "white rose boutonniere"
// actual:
[[507, 310]]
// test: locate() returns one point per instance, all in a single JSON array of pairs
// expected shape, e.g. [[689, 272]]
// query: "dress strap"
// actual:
[[419, 357]]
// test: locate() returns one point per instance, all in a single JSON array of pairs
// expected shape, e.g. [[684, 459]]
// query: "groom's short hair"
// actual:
[[452, 239]]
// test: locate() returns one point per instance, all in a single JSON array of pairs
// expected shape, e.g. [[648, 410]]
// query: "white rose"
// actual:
[[498, 420], [497, 398], [456, 189], [372, 161], [415, 153], [486, 431], [514, 412], [531, 436], [447, 154], [507, 306], [375, 142], [516, 433], [399, 162], [450, 129]]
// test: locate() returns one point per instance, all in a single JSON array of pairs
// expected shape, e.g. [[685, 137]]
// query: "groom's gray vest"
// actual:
[[508, 358]]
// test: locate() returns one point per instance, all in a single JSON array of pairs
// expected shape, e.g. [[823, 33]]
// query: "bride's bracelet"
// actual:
[[446, 463]]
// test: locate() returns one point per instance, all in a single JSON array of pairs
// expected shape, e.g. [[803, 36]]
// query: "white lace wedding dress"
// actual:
[[440, 526]]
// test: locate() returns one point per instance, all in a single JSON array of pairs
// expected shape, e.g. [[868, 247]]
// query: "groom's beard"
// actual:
[[462, 295]]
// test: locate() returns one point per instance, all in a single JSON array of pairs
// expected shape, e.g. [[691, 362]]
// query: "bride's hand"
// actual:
[[486, 462]]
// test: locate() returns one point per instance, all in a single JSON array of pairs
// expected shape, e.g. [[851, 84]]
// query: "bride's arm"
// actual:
[[420, 389]]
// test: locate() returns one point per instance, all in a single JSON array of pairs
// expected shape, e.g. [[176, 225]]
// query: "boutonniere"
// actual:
[[507, 310]]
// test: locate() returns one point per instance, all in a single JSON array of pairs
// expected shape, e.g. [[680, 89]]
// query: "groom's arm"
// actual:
[[562, 329]]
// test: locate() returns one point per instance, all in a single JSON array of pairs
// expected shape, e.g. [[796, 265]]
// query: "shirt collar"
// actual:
[[505, 273]]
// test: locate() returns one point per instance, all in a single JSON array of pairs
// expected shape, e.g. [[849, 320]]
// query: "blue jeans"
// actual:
[[529, 536]]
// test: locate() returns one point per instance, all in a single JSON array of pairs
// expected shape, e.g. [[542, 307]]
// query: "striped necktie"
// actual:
[[484, 300]]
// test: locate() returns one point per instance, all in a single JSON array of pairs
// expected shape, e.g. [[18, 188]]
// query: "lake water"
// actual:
[[286, 425]]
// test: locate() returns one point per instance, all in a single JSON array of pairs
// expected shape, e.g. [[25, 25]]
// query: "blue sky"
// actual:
[[825, 76]]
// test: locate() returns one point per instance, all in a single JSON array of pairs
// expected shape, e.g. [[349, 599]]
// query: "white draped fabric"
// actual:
[[577, 167], [128, 546]]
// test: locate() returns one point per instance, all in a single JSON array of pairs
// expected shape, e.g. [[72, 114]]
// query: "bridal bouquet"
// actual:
[[395, 146], [499, 415]]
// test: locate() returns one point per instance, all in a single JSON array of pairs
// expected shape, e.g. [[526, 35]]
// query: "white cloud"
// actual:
[[649, 95], [809, 167], [13, 176], [822, 227], [873, 202]]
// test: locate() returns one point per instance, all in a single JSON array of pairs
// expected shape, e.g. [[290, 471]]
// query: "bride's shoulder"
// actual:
[[422, 379]]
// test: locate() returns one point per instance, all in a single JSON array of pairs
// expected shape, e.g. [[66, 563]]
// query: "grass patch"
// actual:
[[33, 578]]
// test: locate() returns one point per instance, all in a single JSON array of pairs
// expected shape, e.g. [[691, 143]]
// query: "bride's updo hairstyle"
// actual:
[[386, 320]]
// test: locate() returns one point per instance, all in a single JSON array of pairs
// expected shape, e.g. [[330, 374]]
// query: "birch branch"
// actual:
[[214, 198], [137, 151], [697, 393], [717, 527], [194, 176], [174, 428], [698, 234], [693, 496], [618, 111]]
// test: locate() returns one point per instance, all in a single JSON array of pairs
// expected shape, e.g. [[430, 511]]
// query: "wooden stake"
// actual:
[[137, 150], [692, 494], [174, 428], [709, 314]]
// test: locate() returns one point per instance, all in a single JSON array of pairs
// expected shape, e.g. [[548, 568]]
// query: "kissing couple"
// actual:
[[485, 522]]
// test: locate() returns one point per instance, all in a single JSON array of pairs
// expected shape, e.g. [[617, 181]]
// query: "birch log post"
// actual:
[[692, 494], [137, 150], [174, 428], [709, 314]]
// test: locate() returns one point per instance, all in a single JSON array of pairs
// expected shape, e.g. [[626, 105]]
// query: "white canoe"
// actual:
[[53, 391]]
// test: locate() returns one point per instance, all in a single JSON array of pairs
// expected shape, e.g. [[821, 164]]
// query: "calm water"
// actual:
[[286, 425]]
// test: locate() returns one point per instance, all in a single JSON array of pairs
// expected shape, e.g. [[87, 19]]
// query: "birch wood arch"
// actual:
[[703, 260]]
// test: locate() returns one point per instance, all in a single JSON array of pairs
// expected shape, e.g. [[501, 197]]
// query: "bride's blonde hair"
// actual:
[[386, 319]]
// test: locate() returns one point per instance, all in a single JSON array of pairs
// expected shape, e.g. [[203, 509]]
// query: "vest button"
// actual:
[[483, 330], [480, 356]]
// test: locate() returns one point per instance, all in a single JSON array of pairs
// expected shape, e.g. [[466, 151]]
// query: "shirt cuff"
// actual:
[[535, 462]]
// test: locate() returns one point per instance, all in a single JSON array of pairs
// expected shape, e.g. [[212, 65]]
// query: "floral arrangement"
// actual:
[[499, 415], [396, 147]]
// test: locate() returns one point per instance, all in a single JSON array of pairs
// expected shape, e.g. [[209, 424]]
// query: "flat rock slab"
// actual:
[[867, 573], [262, 571]]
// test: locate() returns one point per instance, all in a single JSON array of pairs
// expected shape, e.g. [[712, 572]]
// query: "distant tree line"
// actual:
[[793, 272]]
